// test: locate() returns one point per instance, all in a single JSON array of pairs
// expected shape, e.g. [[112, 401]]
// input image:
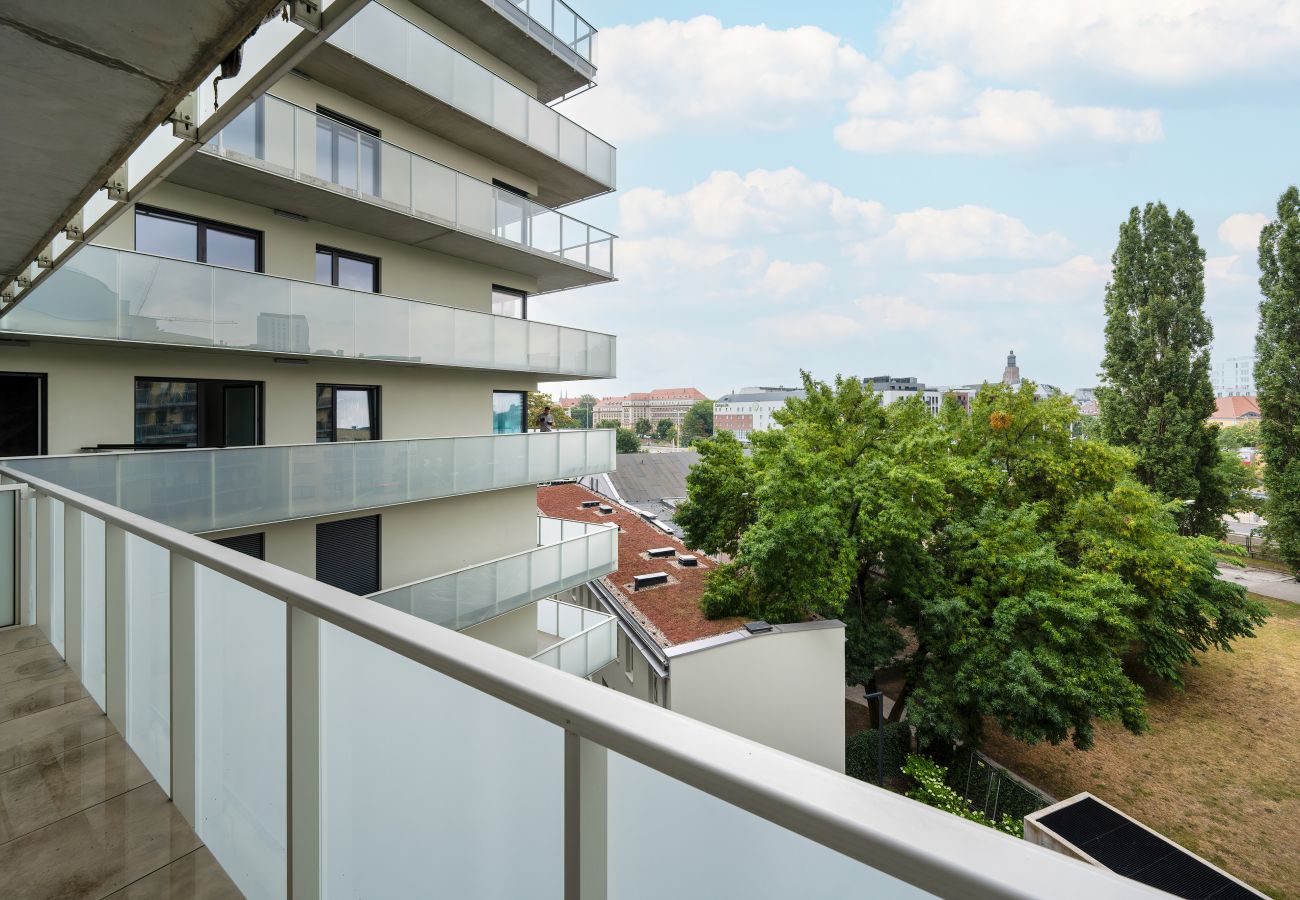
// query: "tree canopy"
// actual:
[[626, 441], [584, 411], [1002, 566], [1156, 393], [1277, 378], [665, 430], [642, 427], [538, 401], [698, 421]]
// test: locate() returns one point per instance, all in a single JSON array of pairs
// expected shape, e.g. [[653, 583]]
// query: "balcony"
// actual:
[[392, 64], [280, 155], [544, 39], [212, 490], [567, 554], [323, 745], [120, 296], [586, 640]]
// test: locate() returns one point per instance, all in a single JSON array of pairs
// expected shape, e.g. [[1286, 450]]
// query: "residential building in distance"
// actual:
[[1235, 377], [610, 409], [1085, 401], [750, 409], [892, 389], [1235, 410]]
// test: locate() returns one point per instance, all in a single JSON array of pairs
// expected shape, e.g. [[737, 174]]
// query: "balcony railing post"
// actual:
[[586, 814], [71, 562], [26, 563], [115, 582], [44, 571], [184, 686], [302, 682]]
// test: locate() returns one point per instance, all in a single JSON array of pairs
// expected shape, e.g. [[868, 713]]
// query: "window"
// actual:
[[22, 414], [508, 412], [347, 152], [349, 270], [508, 302], [347, 554], [627, 657], [198, 240], [195, 412], [346, 413]]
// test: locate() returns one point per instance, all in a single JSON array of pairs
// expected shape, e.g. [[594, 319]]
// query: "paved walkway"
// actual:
[[79, 814], [1266, 582]]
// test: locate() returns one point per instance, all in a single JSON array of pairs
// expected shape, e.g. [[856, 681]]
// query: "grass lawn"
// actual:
[[1219, 771]]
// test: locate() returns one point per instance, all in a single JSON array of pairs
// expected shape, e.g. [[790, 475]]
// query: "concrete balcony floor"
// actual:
[[80, 816]]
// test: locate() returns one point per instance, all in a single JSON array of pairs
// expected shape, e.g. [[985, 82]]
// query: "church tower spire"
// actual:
[[1011, 374]]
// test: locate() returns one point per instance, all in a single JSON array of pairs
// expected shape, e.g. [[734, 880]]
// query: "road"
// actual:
[[1266, 582]]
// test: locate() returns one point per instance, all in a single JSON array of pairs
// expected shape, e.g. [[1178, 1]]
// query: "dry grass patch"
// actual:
[[1219, 772]]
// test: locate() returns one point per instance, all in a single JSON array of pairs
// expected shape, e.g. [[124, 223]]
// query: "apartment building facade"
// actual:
[[265, 468], [1235, 377], [750, 409], [653, 406]]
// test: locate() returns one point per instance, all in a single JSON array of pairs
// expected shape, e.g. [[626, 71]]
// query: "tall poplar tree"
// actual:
[[1156, 394], [1277, 373]]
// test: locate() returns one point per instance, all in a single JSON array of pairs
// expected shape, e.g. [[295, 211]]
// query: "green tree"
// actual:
[[664, 429], [626, 441], [698, 422], [1234, 437], [584, 411], [1003, 565], [1277, 378], [1156, 393], [607, 423], [642, 427], [538, 401]]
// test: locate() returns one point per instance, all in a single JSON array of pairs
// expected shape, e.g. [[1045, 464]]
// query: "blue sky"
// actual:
[[916, 187]]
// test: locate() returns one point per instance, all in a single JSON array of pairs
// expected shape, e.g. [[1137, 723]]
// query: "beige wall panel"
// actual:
[[91, 391], [515, 631]]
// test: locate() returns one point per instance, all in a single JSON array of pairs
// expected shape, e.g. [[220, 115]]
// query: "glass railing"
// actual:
[[387, 41], [567, 554], [297, 143], [412, 760], [209, 490], [588, 639], [107, 294], [562, 27]]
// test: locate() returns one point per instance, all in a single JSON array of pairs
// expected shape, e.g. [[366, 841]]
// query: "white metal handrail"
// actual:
[[885, 832], [108, 294]]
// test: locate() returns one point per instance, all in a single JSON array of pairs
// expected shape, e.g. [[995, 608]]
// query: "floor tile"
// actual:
[[197, 876], [33, 664], [46, 734], [24, 698], [22, 638], [98, 850], [37, 794]]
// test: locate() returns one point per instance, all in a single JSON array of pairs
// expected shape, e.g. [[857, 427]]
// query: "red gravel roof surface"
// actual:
[[672, 610]]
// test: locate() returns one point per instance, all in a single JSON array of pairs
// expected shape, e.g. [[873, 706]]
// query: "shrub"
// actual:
[[929, 785], [860, 751]]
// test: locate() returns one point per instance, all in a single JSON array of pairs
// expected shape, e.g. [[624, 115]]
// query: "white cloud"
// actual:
[[894, 312], [659, 74], [1240, 231], [961, 233], [784, 278], [861, 318], [1082, 278], [938, 115], [727, 204], [1157, 41]]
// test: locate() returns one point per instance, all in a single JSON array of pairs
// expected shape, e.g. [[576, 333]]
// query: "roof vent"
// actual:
[[688, 561], [590, 504], [661, 552], [606, 510], [759, 627], [651, 579]]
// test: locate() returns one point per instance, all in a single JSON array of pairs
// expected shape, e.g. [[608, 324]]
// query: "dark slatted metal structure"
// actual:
[[253, 545], [347, 554]]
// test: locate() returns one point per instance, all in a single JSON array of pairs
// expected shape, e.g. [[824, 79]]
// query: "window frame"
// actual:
[[363, 131], [523, 395], [43, 410], [200, 444], [337, 253], [375, 406], [523, 301], [201, 236]]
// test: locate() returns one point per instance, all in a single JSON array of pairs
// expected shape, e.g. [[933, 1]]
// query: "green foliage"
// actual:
[[642, 427], [930, 786], [664, 430], [1157, 394], [607, 423], [861, 749], [584, 411], [1277, 378], [537, 401], [1234, 437], [988, 789], [698, 422], [1004, 566], [626, 441]]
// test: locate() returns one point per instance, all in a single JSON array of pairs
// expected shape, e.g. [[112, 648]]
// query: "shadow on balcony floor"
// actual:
[[79, 814]]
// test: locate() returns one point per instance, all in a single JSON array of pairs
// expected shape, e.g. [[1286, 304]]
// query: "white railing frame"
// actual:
[[925, 847]]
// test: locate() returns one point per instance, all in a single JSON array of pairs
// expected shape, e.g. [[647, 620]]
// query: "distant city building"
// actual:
[[1085, 401], [1235, 377], [891, 389], [1011, 378], [1235, 410], [661, 403], [284, 332], [750, 409], [1011, 374]]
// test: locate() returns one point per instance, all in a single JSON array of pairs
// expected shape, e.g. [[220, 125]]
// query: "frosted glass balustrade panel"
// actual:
[[545, 571], [510, 343], [92, 607], [573, 453], [241, 778], [472, 88], [512, 583], [475, 205], [332, 315], [391, 179], [255, 312], [569, 619], [573, 350], [175, 488], [432, 337], [510, 459], [80, 300], [473, 339], [433, 191], [469, 790], [250, 486], [10, 561], [653, 817], [510, 109], [544, 128], [600, 354], [573, 568], [148, 656], [473, 464], [600, 159], [573, 145], [433, 468], [383, 326], [287, 141], [543, 347], [54, 535], [430, 64], [602, 643], [573, 656], [381, 472]]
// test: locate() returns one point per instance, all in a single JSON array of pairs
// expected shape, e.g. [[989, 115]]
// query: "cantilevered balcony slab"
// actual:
[[543, 39], [280, 155], [117, 296], [211, 490], [567, 554], [390, 63]]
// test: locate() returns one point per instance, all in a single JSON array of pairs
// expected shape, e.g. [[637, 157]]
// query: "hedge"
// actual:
[[860, 752]]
